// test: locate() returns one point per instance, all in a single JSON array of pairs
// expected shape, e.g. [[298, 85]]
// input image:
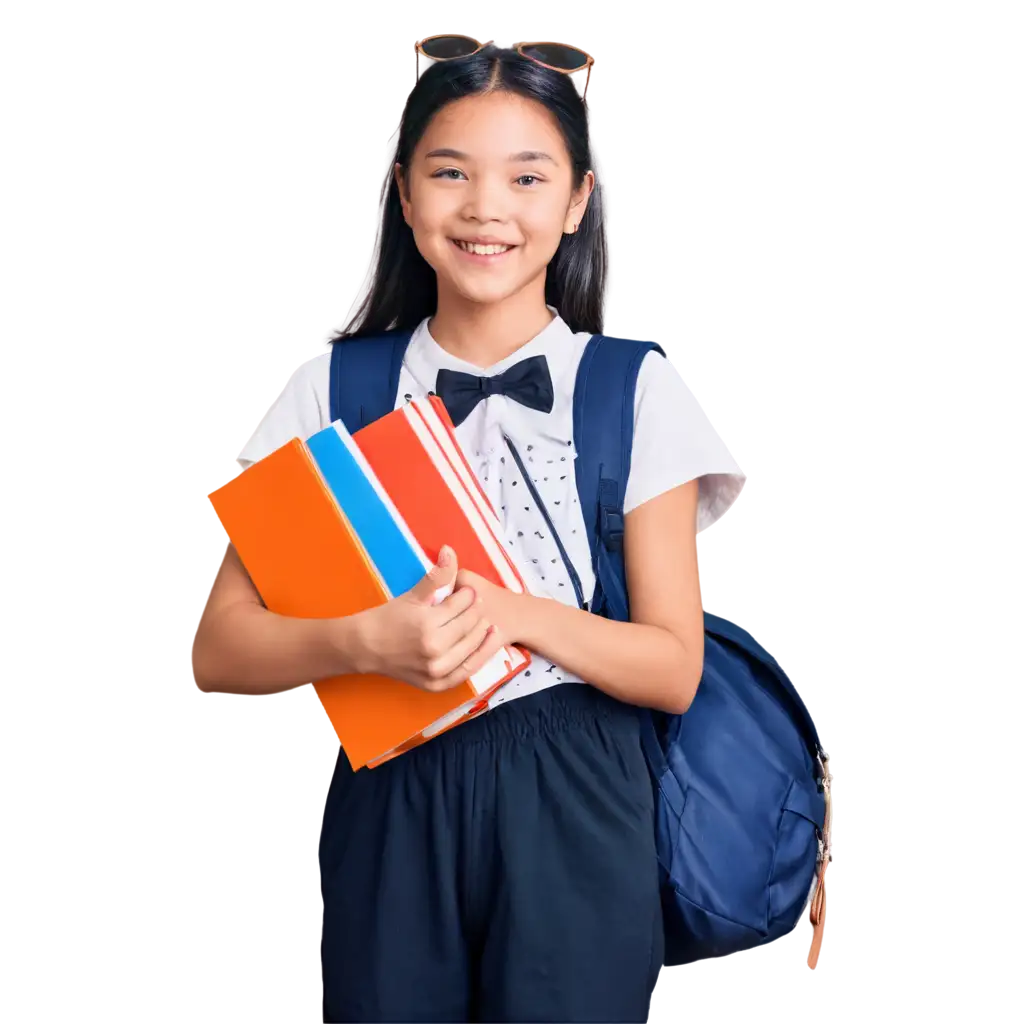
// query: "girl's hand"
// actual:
[[433, 647], [503, 607]]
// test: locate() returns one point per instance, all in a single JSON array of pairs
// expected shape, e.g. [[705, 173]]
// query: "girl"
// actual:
[[504, 870]]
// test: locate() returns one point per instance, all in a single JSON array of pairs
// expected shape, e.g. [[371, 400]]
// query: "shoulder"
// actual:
[[300, 410], [304, 383], [658, 366], [666, 387], [613, 358], [674, 441], [595, 367], [313, 375]]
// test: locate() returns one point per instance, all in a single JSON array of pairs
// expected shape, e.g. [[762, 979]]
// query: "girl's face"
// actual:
[[491, 169]]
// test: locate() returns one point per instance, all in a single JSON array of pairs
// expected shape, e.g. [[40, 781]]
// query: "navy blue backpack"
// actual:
[[741, 782]]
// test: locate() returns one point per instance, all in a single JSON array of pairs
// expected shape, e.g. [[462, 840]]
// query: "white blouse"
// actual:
[[673, 443]]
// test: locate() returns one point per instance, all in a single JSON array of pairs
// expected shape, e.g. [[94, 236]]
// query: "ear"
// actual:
[[578, 204], [403, 187]]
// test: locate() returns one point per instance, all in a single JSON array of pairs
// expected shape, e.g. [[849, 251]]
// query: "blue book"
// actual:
[[400, 561]]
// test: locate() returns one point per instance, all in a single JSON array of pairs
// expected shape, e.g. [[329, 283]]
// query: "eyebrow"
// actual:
[[526, 156]]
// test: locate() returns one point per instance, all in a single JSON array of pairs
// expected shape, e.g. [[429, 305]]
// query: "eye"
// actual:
[[533, 176], [446, 170]]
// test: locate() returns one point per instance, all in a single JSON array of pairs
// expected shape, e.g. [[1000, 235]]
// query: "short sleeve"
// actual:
[[300, 410], [674, 442]]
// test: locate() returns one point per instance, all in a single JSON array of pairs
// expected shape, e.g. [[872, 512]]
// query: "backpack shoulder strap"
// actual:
[[364, 377], [603, 408]]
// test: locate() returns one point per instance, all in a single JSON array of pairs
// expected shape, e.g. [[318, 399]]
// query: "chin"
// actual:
[[485, 292]]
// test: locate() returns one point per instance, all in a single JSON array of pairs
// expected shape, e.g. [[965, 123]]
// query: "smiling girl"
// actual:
[[506, 869]]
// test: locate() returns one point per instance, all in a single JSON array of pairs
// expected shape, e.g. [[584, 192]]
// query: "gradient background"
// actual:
[[183, 204]]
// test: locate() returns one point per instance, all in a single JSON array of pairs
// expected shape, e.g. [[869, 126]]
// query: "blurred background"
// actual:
[[816, 209]]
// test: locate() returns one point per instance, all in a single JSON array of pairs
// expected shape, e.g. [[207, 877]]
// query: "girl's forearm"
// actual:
[[634, 662], [248, 649]]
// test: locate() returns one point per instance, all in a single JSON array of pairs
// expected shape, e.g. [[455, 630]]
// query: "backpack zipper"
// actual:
[[576, 585]]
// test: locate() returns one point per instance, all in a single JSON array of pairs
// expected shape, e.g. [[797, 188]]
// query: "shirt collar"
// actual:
[[424, 356]]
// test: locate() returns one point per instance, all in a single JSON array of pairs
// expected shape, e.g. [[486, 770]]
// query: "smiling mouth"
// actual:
[[481, 250]]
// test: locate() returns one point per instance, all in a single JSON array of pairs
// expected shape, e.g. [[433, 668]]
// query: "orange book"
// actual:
[[306, 561]]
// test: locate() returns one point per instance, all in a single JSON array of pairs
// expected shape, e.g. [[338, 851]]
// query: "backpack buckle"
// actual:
[[825, 776], [612, 528]]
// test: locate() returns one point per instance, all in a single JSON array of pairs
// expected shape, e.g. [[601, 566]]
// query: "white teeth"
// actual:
[[483, 250]]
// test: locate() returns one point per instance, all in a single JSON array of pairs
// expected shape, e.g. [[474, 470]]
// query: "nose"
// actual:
[[486, 199]]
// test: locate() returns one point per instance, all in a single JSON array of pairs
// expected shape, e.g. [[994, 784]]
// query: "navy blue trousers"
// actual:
[[503, 871]]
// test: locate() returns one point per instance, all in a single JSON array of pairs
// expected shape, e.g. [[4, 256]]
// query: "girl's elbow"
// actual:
[[686, 680], [202, 680], [679, 702], [202, 670]]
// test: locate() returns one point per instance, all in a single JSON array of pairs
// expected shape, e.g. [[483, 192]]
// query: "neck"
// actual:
[[484, 333]]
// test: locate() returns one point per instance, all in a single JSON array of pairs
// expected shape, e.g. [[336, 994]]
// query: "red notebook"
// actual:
[[415, 455]]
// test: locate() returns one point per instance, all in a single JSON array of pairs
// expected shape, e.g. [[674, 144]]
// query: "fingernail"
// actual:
[[445, 556]]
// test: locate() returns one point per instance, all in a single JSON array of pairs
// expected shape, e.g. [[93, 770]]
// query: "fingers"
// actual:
[[456, 653], [492, 643], [453, 606], [450, 632]]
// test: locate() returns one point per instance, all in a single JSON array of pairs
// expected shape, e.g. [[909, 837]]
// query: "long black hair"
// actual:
[[403, 290]]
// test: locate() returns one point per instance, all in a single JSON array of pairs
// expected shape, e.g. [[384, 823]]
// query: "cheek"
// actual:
[[542, 224], [428, 217]]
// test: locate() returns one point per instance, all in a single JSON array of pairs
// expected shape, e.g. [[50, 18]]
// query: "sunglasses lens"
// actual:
[[568, 58], [447, 47]]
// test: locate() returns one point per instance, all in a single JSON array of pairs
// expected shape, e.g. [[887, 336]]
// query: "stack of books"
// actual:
[[341, 523]]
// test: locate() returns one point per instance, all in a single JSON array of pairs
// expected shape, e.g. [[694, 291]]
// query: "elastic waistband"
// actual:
[[551, 709]]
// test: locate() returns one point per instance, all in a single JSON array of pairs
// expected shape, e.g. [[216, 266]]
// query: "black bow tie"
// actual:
[[528, 382]]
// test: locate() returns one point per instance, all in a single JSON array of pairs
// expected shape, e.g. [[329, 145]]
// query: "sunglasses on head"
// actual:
[[556, 56]]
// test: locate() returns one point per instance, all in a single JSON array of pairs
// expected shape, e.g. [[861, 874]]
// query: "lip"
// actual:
[[479, 257], [484, 240]]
